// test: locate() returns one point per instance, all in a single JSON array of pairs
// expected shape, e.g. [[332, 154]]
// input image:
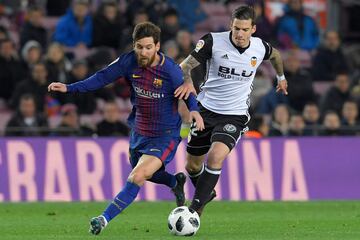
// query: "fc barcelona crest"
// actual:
[[157, 82], [253, 61]]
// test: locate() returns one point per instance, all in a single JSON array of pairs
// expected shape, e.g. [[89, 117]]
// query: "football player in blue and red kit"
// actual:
[[155, 120]]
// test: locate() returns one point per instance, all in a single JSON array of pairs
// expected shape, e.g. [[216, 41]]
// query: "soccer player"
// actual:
[[155, 120], [232, 58]]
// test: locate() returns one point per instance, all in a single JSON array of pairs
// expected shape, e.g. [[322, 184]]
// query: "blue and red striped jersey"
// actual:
[[155, 111]]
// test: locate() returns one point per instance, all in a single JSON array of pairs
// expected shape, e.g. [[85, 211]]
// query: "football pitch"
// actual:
[[221, 220]]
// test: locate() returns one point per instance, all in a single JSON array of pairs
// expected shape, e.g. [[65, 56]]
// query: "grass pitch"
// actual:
[[221, 220]]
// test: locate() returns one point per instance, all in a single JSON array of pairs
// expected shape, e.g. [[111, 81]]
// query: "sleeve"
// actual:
[[268, 50], [101, 78], [177, 78], [203, 49]]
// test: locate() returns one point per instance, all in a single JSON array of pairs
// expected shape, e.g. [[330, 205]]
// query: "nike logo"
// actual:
[[154, 150], [136, 76], [197, 200]]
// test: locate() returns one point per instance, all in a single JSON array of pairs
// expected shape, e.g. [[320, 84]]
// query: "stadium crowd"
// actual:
[[66, 41]]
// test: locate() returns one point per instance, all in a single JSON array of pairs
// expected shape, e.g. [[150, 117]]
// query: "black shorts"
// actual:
[[218, 128]]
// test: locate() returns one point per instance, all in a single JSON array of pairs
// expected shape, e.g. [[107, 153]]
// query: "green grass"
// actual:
[[221, 220]]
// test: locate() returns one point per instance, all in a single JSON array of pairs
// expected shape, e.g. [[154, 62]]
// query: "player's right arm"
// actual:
[[100, 79], [201, 53]]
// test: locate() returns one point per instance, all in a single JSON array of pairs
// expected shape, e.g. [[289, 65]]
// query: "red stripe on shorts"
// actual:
[[168, 150]]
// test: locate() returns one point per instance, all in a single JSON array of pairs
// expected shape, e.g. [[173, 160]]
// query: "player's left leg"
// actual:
[[210, 176], [144, 169], [161, 176]]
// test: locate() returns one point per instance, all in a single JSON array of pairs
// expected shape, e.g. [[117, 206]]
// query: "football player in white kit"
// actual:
[[232, 58]]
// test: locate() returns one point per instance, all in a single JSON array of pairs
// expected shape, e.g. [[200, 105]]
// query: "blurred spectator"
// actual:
[[111, 126], [171, 49], [57, 64], [280, 122], [85, 102], [311, 115], [189, 12], [296, 29], [108, 26], [335, 97], [70, 125], [33, 28], [154, 9], [36, 86], [331, 125], [3, 33], [75, 28], [329, 59], [270, 101], [300, 83], [139, 16], [26, 121], [264, 28], [184, 41], [30, 54], [297, 126], [11, 70], [261, 85], [349, 120], [57, 8], [170, 25], [258, 127]]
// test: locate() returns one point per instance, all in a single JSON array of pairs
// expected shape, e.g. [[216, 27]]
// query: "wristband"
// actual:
[[280, 78]]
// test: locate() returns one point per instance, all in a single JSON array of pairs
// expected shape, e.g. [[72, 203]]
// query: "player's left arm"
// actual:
[[277, 63]]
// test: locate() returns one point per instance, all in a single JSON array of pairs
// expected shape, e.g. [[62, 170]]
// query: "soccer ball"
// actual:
[[183, 221]]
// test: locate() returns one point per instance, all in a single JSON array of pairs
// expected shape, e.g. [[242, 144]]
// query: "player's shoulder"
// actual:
[[256, 40], [126, 59], [168, 63], [220, 34]]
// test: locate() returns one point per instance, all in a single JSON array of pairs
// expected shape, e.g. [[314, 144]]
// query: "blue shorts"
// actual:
[[163, 148]]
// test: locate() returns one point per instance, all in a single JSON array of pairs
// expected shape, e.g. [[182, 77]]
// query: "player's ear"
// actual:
[[253, 29], [157, 46]]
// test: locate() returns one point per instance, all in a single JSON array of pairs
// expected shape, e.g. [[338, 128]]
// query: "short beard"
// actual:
[[149, 62]]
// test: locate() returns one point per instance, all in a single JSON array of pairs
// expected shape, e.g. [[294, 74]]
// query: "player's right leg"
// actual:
[[144, 169], [198, 145]]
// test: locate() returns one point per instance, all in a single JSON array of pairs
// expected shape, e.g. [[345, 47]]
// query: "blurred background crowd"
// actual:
[[43, 41]]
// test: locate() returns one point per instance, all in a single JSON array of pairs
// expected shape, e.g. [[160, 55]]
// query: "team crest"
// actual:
[[199, 45], [229, 128], [253, 61], [157, 82]]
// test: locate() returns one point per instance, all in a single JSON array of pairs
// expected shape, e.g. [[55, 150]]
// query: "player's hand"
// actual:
[[282, 87], [57, 87], [195, 116], [183, 92]]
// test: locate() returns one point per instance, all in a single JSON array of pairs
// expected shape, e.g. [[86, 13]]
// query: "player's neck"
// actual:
[[156, 60]]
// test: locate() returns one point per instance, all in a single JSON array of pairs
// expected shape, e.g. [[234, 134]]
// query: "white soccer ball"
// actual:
[[183, 221]]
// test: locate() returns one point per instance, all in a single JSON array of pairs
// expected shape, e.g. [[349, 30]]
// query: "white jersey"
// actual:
[[230, 72]]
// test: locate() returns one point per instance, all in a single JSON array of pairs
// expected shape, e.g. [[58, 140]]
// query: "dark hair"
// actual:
[[170, 12], [244, 13], [146, 29], [27, 96]]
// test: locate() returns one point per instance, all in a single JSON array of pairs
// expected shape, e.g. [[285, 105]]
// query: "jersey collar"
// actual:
[[240, 49]]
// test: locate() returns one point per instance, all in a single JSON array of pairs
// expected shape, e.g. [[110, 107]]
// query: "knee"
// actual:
[[193, 166], [138, 177], [215, 160]]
